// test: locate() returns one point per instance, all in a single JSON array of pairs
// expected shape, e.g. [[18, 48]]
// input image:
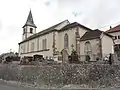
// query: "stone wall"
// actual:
[[61, 75]]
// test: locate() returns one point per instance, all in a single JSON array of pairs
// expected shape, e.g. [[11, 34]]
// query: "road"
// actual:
[[5, 86]]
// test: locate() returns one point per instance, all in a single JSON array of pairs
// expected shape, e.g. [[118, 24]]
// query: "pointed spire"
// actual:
[[30, 21]]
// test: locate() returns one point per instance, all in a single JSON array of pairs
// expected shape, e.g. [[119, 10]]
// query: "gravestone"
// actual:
[[64, 56]]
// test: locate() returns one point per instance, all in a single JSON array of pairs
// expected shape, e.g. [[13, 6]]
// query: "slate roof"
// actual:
[[93, 35], [74, 24], [30, 21], [114, 29]]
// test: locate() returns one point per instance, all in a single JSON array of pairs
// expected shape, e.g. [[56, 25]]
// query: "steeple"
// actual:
[[29, 28], [30, 21]]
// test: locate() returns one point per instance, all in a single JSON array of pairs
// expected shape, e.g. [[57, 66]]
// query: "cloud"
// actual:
[[91, 13], [33, 0], [0, 25], [47, 3]]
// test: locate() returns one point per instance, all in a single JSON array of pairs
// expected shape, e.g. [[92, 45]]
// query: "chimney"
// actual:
[[110, 27]]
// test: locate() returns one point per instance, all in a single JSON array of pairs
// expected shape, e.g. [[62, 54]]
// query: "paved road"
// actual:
[[4, 86]]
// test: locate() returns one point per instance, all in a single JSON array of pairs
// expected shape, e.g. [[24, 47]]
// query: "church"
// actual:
[[59, 40]]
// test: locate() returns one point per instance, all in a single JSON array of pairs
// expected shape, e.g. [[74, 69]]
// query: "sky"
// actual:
[[91, 13]]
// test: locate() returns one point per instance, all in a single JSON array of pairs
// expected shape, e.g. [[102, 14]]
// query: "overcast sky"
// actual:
[[91, 13]]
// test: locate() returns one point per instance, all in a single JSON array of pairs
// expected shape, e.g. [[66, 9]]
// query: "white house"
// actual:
[[115, 32], [60, 38]]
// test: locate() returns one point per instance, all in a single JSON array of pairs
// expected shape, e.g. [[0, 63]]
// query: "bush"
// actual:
[[60, 75]]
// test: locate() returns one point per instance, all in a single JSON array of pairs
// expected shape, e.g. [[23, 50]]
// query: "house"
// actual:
[[61, 39], [97, 44], [115, 32]]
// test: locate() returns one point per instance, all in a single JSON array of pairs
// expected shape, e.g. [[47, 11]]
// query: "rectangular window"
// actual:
[[32, 46], [38, 44], [27, 46], [118, 37], [115, 37], [31, 30], [119, 46], [44, 44]]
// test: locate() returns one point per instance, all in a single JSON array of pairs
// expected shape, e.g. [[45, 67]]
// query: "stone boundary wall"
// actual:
[[93, 76]]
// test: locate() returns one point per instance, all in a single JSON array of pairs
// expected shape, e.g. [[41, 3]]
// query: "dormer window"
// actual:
[[31, 30]]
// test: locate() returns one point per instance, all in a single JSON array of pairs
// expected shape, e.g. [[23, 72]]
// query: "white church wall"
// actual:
[[59, 37], [71, 36], [94, 47], [93, 43], [39, 50], [28, 31], [71, 39], [107, 45]]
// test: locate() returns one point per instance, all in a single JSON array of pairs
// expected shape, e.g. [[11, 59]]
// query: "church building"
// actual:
[[62, 38]]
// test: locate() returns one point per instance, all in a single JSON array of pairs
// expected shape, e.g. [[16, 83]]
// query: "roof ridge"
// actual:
[[53, 26], [114, 29], [74, 24]]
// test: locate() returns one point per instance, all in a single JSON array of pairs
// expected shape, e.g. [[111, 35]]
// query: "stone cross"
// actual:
[[72, 47]]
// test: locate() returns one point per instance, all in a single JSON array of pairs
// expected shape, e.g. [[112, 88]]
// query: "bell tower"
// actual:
[[29, 28]]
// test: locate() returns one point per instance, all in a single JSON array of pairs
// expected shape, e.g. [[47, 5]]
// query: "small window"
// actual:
[[32, 46], [44, 44], [119, 46], [31, 30], [118, 37], [115, 37]]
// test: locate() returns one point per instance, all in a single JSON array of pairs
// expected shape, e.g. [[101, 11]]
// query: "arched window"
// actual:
[[66, 41], [87, 48]]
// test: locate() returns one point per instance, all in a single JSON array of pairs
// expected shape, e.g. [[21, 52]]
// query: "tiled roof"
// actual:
[[114, 29], [93, 35]]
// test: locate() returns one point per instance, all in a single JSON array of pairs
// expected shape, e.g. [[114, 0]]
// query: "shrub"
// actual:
[[60, 75]]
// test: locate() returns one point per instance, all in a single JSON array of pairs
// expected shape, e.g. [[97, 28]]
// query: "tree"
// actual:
[[74, 57]]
